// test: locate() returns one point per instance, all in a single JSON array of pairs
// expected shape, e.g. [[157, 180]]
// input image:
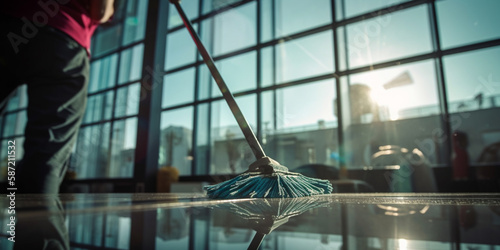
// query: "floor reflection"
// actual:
[[191, 221]]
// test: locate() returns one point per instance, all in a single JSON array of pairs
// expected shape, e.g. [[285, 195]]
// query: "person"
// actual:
[[45, 45]]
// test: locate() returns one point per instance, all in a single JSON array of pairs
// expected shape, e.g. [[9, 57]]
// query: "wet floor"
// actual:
[[192, 221]]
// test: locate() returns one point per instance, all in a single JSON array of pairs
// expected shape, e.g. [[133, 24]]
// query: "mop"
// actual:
[[265, 178], [265, 215]]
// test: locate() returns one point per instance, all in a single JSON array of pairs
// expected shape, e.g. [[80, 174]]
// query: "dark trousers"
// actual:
[[55, 69]]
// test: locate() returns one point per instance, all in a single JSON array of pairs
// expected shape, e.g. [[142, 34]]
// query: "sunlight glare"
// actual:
[[402, 244], [385, 100]]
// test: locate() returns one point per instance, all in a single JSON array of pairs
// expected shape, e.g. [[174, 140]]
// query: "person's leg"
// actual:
[[57, 92]]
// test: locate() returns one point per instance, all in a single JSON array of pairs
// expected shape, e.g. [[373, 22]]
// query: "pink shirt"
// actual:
[[69, 16]]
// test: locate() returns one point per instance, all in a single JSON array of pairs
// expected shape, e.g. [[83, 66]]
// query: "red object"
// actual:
[[69, 16], [460, 158]]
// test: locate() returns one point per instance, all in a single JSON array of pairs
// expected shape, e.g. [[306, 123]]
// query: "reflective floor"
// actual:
[[191, 221]]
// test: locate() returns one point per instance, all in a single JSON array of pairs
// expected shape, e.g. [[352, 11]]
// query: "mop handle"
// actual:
[[238, 115]]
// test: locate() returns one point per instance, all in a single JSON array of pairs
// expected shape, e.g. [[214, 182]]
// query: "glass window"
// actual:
[[127, 100], [18, 100], [358, 7], [123, 148], [266, 20], [472, 80], [202, 139], [388, 37], [135, 21], [341, 48], [400, 92], [178, 88], [230, 151], [266, 66], [377, 111], [90, 159], [15, 123], [106, 39], [311, 15], [190, 8], [473, 90], [463, 22], [99, 107], [176, 139], [204, 82], [306, 106], [103, 73], [239, 73], [181, 49], [131, 64], [305, 57], [234, 29], [210, 5], [298, 124]]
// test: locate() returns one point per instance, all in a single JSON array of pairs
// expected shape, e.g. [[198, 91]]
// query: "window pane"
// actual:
[[131, 64], [103, 73], [210, 5], [400, 92], [305, 57], [202, 158], [303, 131], [239, 73], [15, 123], [106, 39], [91, 156], [311, 15], [341, 48], [230, 151], [234, 29], [19, 100], [181, 49], [123, 148], [204, 82], [178, 88], [314, 109], [127, 100], [135, 21], [266, 20], [99, 107], [464, 22], [473, 88], [472, 80], [388, 37], [266, 66], [190, 7], [176, 139], [375, 100], [358, 7]]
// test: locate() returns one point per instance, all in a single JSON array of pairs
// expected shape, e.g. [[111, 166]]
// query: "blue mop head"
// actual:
[[266, 178]]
